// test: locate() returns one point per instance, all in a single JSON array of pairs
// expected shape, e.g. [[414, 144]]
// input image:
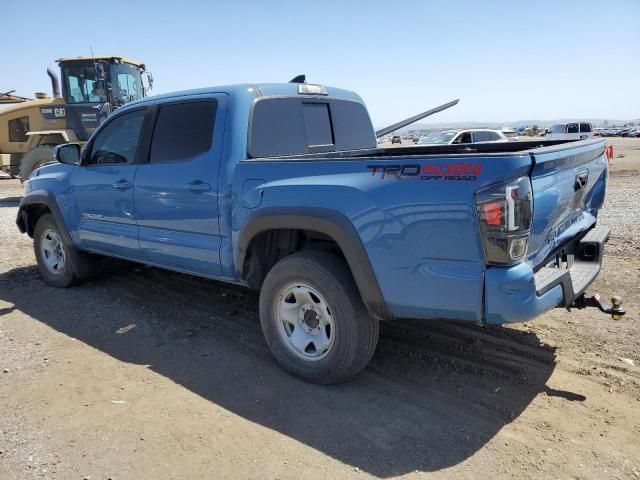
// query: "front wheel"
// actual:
[[52, 254], [60, 264], [313, 318]]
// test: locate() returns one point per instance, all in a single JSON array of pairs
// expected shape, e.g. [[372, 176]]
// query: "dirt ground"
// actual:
[[146, 374]]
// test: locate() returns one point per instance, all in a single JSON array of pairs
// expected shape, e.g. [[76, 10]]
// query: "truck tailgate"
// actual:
[[568, 182]]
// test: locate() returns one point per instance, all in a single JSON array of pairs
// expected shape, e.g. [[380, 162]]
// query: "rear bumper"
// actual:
[[517, 294]]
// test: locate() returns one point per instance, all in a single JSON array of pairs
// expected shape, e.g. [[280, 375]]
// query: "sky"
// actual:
[[505, 60]]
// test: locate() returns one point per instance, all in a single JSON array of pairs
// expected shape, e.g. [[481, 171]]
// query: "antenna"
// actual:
[[299, 79]]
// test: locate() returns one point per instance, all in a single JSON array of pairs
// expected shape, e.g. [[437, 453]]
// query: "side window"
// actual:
[[572, 128], [493, 136], [117, 142], [481, 137], [585, 127], [463, 138], [183, 131], [18, 129]]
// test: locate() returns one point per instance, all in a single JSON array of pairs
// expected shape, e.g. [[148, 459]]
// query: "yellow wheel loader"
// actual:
[[92, 87]]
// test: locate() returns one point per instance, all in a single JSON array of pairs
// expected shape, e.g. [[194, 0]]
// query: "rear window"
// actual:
[[298, 125], [183, 131], [318, 124], [585, 127]]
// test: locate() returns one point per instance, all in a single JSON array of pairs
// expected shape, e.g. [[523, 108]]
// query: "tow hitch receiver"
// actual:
[[615, 309]]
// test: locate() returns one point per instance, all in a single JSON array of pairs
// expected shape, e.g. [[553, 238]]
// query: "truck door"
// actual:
[[572, 131], [176, 191], [101, 189], [585, 130]]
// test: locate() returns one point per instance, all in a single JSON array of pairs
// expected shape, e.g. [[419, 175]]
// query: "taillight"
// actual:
[[504, 215]]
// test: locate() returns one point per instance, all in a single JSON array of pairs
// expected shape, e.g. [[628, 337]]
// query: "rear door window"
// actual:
[[572, 128], [480, 137], [585, 127], [183, 131]]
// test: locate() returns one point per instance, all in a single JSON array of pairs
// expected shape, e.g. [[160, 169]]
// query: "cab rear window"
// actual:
[[283, 126]]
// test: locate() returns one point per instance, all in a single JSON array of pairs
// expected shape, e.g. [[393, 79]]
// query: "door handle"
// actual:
[[122, 185], [198, 186]]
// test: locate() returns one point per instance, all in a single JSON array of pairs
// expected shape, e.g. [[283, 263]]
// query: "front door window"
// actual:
[[117, 142]]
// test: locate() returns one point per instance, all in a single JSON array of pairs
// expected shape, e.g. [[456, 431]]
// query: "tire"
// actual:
[[33, 159], [341, 338], [76, 265], [14, 164]]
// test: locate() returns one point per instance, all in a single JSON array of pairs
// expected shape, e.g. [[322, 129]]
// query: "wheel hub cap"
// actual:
[[52, 251], [305, 322]]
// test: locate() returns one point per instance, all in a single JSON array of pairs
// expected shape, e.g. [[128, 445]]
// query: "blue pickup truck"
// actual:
[[284, 188]]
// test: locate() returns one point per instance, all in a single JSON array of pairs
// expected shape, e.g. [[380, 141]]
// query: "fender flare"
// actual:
[[328, 222], [41, 197]]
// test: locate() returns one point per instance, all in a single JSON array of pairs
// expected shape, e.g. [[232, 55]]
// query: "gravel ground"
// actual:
[[143, 373]]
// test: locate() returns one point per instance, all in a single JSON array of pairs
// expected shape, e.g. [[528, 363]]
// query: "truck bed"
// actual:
[[424, 150]]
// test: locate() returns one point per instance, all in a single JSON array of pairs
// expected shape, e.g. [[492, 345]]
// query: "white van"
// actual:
[[570, 131]]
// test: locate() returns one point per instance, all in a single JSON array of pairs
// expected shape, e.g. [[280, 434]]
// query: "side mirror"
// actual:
[[150, 80], [69, 153]]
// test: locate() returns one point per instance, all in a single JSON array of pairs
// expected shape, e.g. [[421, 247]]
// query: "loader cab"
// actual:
[[94, 87]]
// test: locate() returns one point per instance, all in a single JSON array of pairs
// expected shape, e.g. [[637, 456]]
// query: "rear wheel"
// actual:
[[34, 159], [313, 318]]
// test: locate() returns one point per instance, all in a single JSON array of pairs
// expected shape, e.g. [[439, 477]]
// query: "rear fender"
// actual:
[[328, 222]]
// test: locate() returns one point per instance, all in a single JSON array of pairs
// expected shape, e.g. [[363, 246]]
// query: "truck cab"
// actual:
[[570, 131]]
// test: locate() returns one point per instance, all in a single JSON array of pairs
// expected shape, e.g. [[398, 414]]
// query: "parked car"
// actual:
[[570, 131], [282, 188], [510, 133], [396, 139], [452, 137]]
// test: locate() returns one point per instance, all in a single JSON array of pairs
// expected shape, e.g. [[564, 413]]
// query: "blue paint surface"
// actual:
[[421, 237]]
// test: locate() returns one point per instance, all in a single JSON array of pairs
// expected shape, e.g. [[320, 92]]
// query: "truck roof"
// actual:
[[251, 91]]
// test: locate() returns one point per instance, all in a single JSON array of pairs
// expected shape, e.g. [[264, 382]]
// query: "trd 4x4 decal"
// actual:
[[431, 171]]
